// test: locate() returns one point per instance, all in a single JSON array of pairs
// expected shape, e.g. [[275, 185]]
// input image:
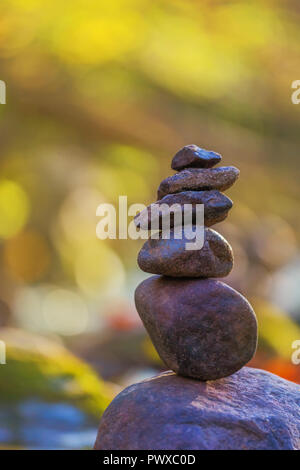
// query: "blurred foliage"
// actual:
[[42, 369], [275, 328]]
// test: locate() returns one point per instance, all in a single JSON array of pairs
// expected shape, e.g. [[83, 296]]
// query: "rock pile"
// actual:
[[200, 327]]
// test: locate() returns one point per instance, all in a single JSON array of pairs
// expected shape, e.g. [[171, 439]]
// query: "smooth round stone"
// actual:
[[197, 179], [172, 258], [201, 328], [216, 208], [251, 410], [194, 156]]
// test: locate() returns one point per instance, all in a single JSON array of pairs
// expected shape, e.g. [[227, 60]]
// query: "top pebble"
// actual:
[[192, 156]]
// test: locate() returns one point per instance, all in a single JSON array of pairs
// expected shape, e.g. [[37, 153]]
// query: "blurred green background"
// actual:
[[100, 96]]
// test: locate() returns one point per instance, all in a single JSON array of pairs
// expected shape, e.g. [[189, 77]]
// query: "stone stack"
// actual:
[[201, 327]]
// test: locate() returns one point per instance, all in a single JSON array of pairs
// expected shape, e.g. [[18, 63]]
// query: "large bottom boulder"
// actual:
[[252, 409]]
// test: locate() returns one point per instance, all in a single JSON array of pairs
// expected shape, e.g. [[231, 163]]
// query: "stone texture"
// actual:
[[197, 179], [216, 207], [201, 328], [171, 258], [251, 410], [194, 156]]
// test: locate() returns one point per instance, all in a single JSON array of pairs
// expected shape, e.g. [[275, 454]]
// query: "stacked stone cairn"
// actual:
[[202, 329]]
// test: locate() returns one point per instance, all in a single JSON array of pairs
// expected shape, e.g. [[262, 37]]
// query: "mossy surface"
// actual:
[[49, 372]]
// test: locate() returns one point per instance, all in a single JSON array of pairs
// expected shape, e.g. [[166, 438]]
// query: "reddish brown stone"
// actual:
[[193, 156], [216, 208], [171, 258], [201, 328], [251, 410], [197, 179]]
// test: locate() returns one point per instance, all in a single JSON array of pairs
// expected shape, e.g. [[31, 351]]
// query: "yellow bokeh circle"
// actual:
[[14, 208]]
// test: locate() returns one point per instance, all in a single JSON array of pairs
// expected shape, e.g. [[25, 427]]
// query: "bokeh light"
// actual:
[[14, 208], [99, 271], [27, 256], [27, 308], [65, 312]]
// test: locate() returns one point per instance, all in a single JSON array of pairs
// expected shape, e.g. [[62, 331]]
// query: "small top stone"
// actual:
[[196, 157]]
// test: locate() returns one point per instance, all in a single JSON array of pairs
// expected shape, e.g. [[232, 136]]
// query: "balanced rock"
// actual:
[[171, 257], [216, 208], [194, 156], [201, 328], [251, 410], [197, 179]]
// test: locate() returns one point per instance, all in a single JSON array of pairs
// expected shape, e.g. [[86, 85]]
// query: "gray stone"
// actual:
[[197, 179], [201, 328], [251, 410], [171, 258], [194, 156], [216, 208]]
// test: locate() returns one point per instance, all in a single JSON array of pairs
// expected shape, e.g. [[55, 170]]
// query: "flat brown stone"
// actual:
[[171, 258], [251, 410], [201, 328], [194, 156], [197, 179], [216, 208]]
